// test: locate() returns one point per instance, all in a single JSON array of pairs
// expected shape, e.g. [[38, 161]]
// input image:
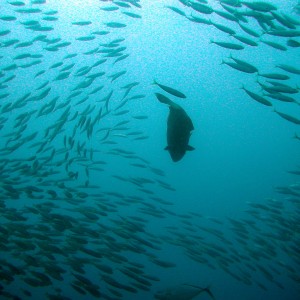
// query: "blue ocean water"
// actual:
[[92, 206]]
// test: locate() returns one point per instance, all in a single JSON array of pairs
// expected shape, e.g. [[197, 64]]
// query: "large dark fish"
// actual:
[[179, 129]]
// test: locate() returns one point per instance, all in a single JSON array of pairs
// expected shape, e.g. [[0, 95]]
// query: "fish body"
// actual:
[[290, 69], [115, 25], [231, 46], [257, 97], [245, 40], [274, 76], [182, 292], [170, 90], [241, 65], [259, 6], [288, 117], [179, 127], [82, 23]]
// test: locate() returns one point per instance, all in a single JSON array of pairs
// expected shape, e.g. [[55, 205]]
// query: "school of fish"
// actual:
[[65, 226]]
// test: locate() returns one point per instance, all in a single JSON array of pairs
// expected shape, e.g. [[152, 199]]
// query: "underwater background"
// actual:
[[92, 206]]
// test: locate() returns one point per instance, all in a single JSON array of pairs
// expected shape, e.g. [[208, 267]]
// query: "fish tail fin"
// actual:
[[154, 82], [258, 82], [208, 291]]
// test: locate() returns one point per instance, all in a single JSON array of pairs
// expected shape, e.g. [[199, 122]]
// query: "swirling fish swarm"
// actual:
[[71, 228]]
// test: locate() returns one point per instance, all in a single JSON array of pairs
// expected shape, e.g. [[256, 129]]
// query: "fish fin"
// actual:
[[154, 82], [167, 148], [189, 148], [208, 291]]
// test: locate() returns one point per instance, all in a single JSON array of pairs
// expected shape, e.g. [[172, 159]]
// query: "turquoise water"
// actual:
[[92, 206]]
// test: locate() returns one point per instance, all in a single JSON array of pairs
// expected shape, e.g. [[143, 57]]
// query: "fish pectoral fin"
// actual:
[[189, 148]]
